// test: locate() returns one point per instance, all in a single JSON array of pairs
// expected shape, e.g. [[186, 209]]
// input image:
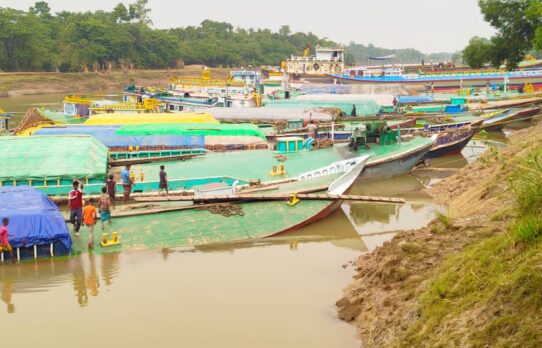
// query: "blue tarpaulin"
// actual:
[[33, 218], [107, 136]]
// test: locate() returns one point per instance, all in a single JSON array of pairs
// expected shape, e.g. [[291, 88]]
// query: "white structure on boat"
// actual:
[[327, 60], [251, 79]]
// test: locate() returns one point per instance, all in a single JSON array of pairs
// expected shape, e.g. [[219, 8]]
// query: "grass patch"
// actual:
[[444, 219], [411, 247], [502, 215], [527, 229], [490, 294], [488, 277], [527, 183]]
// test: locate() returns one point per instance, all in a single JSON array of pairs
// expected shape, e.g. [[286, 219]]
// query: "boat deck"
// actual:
[[198, 227], [257, 164]]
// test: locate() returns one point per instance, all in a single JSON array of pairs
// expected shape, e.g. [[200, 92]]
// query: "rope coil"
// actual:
[[225, 209]]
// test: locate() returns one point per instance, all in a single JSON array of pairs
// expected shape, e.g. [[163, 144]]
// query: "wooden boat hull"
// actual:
[[449, 82], [500, 121], [396, 164], [322, 214], [451, 147]]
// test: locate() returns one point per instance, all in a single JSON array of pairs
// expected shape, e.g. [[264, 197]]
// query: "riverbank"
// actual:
[[38, 83], [472, 277]]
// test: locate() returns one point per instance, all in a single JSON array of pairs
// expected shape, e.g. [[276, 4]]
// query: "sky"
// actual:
[[427, 25]]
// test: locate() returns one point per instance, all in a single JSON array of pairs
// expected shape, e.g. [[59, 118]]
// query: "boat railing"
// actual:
[[334, 168], [51, 252]]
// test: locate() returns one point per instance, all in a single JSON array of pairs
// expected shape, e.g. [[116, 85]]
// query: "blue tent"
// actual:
[[107, 136], [33, 219]]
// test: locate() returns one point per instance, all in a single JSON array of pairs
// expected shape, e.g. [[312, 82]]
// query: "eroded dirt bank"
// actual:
[[37, 83], [389, 300]]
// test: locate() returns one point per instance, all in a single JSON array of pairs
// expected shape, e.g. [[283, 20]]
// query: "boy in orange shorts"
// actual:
[[4, 240], [89, 219]]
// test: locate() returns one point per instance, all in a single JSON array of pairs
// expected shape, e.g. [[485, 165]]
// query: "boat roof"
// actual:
[[108, 136], [52, 158], [149, 118], [33, 218]]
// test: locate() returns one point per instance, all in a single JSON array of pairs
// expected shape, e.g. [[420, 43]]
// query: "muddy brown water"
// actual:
[[276, 292]]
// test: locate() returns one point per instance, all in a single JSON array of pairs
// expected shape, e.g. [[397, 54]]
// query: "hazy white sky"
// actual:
[[428, 25]]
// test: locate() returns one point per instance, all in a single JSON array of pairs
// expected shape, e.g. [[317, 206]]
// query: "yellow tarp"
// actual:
[[135, 118]]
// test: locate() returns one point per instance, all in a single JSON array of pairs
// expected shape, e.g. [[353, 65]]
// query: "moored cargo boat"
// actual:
[[452, 80], [194, 226]]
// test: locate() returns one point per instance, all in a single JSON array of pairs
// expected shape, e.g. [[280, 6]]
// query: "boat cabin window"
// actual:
[[171, 107]]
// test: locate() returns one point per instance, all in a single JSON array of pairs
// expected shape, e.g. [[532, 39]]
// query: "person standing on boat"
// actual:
[[354, 112], [4, 240], [127, 183], [105, 208], [89, 218], [75, 202], [111, 188], [163, 180]]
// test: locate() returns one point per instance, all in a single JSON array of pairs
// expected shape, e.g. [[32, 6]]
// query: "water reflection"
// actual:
[[335, 229], [78, 274], [7, 289], [83, 272], [381, 218]]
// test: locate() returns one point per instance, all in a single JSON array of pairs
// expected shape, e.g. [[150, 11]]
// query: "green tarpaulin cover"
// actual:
[[193, 129], [52, 158]]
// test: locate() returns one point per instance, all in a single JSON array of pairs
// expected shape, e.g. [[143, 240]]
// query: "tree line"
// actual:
[[519, 32], [39, 40]]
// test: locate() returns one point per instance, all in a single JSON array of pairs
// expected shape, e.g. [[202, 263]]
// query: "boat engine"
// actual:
[[359, 137]]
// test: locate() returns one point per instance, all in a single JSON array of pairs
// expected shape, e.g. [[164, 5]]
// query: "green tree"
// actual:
[[24, 41], [120, 13], [285, 30], [41, 8], [138, 11], [519, 26], [478, 52]]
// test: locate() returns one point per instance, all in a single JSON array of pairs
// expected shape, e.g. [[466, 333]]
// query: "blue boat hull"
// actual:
[[453, 148]]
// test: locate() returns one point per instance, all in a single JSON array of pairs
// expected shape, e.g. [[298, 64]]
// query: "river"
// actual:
[[277, 292]]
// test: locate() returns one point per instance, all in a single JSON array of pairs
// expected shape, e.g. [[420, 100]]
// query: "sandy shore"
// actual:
[[38, 83]]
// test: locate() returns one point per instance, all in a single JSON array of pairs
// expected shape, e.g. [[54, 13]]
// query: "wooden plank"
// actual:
[[258, 189], [325, 197], [210, 201], [154, 211]]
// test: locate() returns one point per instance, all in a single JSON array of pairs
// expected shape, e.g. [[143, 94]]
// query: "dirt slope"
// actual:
[[384, 299]]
